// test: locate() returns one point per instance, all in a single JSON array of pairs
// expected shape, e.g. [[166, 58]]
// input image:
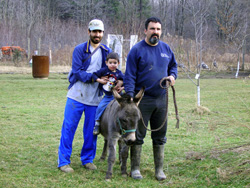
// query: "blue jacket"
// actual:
[[146, 66], [80, 53]]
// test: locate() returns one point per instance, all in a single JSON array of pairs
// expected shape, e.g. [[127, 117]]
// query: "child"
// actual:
[[113, 75]]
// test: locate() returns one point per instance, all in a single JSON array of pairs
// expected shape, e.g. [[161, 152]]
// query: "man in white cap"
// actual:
[[83, 95]]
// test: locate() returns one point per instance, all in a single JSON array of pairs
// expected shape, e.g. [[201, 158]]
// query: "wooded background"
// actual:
[[196, 30]]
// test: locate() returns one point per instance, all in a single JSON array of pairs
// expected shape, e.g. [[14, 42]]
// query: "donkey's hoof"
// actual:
[[108, 176], [124, 175], [102, 159]]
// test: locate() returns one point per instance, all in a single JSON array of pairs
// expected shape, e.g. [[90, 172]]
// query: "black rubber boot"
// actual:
[[158, 160], [135, 157]]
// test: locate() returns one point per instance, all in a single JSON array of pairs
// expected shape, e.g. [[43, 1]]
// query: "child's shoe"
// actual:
[[96, 130]]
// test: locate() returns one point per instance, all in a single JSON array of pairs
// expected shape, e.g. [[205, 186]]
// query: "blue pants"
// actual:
[[102, 106], [72, 115]]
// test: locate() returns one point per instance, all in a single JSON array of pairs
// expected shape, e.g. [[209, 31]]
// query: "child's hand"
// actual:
[[119, 89], [119, 84]]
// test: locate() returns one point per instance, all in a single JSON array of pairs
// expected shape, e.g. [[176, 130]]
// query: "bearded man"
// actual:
[[148, 62], [83, 95]]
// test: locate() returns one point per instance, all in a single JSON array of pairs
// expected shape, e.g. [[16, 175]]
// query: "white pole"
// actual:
[[50, 56], [198, 96], [237, 72]]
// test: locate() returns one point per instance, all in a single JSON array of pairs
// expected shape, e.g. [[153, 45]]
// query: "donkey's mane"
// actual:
[[125, 98]]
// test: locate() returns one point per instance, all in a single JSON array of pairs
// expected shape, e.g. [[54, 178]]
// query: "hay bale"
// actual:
[[201, 110]]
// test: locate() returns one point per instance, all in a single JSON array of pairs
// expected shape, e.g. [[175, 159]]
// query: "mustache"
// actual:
[[154, 35]]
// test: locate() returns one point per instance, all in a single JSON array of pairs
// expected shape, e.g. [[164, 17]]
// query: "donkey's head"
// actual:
[[128, 115]]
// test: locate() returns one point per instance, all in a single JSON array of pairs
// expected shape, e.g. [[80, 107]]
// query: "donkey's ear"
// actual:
[[117, 96], [139, 96]]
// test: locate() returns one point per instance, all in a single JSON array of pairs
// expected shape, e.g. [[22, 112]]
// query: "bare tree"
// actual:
[[199, 13], [55, 24], [232, 19], [180, 18], [8, 23], [31, 14]]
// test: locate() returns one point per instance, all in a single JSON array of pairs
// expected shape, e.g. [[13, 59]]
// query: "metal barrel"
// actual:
[[40, 66]]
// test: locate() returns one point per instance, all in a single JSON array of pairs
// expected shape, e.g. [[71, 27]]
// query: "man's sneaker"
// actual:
[[90, 166], [66, 169], [96, 130]]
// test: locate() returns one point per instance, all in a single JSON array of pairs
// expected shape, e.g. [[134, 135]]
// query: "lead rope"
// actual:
[[175, 105]]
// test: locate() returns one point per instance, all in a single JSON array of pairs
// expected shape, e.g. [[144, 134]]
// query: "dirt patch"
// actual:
[[237, 149], [215, 153]]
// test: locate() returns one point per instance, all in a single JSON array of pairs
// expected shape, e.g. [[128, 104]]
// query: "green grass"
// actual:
[[209, 150]]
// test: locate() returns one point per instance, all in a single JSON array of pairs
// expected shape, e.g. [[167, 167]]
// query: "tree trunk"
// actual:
[[243, 55], [28, 49], [39, 46]]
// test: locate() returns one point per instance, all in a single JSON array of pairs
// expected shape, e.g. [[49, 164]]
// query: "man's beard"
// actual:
[[154, 40], [96, 40]]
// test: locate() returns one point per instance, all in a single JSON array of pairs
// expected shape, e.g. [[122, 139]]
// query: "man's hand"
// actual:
[[105, 78], [102, 81], [172, 80]]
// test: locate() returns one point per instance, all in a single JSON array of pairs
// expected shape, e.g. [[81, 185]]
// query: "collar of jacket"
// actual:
[[88, 47]]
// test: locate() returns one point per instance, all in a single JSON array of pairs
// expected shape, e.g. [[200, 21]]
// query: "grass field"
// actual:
[[211, 148]]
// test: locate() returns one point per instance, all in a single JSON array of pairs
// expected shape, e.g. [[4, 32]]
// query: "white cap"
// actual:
[[96, 25]]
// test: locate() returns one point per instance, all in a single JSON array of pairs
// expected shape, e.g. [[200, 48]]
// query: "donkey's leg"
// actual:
[[124, 156], [120, 144], [104, 150], [111, 158]]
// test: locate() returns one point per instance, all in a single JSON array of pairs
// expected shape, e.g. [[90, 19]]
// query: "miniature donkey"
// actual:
[[118, 124]]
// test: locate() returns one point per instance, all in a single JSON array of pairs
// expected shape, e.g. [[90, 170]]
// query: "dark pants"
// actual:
[[154, 111]]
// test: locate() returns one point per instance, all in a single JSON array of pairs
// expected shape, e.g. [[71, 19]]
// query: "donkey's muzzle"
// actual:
[[129, 139]]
